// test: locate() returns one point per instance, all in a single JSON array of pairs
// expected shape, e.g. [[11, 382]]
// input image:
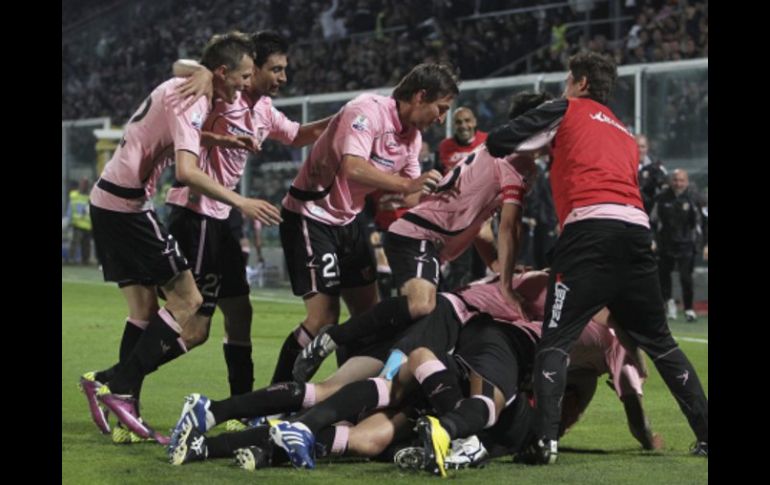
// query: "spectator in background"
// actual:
[[705, 214], [378, 56], [679, 223], [653, 176], [331, 22], [80, 219], [540, 210]]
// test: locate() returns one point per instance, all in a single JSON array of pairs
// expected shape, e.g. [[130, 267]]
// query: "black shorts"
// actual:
[[135, 248], [235, 221], [323, 258], [380, 349], [214, 253], [501, 354], [438, 331], [411, 258]]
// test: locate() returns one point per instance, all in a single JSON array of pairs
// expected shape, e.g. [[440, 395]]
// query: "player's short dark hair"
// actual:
[[438, 81], [525, 101], [600, 71], [266, 43], [226, 50]]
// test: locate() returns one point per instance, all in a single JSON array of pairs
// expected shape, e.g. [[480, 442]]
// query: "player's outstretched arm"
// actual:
[[639, 424], [507, 247], [357, 169], [200, 82], [309, 132], [188, 173]]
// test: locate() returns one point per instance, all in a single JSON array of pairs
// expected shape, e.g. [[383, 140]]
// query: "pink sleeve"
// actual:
[[283, 129], [356, 132], [511, 182], [186, 127]]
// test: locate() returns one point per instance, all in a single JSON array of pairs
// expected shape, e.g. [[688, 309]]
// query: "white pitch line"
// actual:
[[297, 301], [692, 339]]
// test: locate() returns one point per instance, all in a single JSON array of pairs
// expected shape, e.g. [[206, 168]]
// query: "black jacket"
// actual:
[[679, 220]]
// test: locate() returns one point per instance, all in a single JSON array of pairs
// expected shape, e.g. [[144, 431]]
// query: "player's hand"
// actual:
[[426, 183], [197, 85], [651, 441], [706, 252], [513, 299], [244, 142], [261, 210], [657, 442]]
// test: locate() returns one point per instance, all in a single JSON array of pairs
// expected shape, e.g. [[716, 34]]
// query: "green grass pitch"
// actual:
[[599, 449]]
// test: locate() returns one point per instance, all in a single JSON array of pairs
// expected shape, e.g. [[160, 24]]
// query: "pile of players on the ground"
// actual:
[[431, 380], [452, 393]]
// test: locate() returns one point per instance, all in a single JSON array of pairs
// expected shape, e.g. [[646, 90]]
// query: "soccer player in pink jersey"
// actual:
[[373, 142], [494, 350], [441, 227], [200, 414], [492, 354], [134, 247], [231, 131]]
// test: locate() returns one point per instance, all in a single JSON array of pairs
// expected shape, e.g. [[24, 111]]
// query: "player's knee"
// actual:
[[419, 307], [372, 444], [419, 356]]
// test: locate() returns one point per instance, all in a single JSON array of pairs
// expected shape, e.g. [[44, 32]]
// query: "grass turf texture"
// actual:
[[599, 449]]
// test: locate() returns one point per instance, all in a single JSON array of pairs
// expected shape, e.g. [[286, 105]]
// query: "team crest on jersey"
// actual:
[[197, 120], [685, 206], [360, 123]]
